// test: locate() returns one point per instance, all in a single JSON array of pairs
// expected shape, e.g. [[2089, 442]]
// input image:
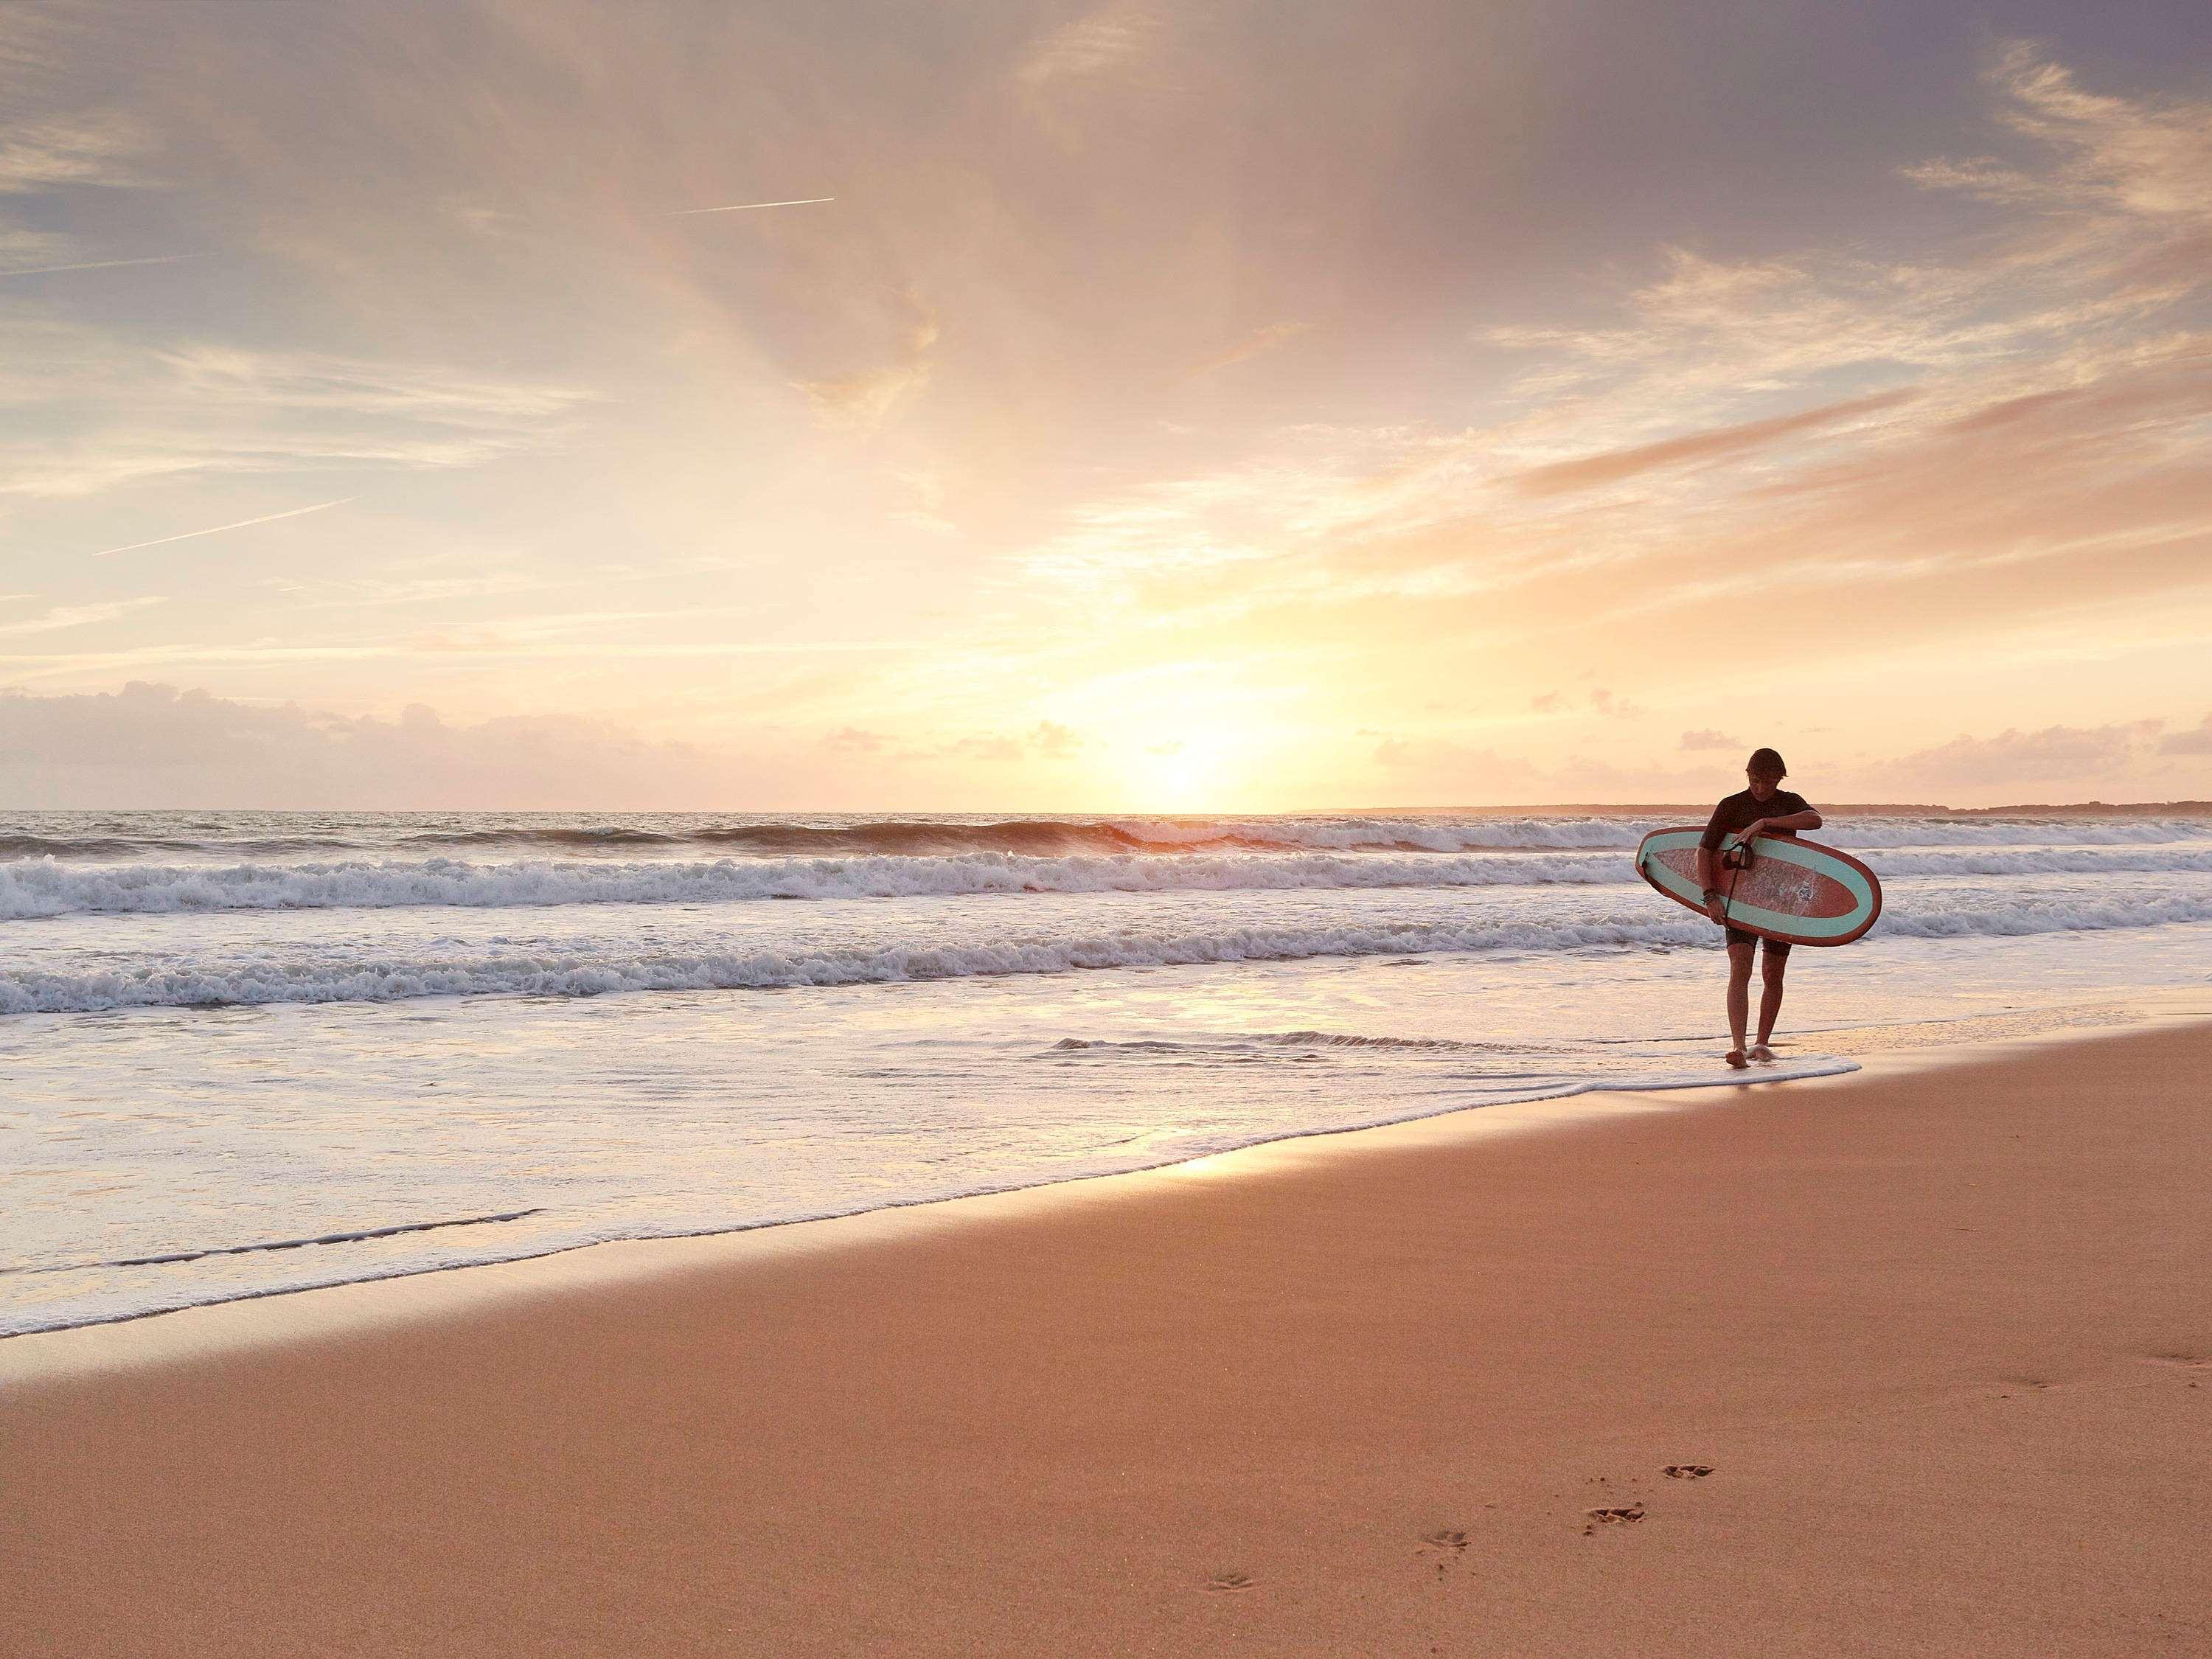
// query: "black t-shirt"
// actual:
[[1743, 809]]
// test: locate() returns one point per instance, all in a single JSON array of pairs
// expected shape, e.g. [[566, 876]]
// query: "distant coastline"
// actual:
[[2086, 809]]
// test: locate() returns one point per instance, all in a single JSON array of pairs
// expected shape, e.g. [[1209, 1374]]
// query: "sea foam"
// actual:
[[45, 887], [341, 978]]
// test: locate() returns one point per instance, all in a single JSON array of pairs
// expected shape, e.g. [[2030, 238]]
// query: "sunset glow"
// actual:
[[1117, 409]]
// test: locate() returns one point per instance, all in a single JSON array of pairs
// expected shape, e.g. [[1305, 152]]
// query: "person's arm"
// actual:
[[1709, 869], [1803, 819]]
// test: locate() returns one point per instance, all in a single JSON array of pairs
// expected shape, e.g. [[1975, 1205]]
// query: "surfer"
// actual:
[[1764, 809]]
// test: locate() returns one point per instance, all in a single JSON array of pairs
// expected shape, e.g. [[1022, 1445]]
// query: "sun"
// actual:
[[1182, 736], [1193, 772]]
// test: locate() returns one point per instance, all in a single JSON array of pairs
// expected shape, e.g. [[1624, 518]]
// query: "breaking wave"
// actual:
[[388, 979], [48, 888], [266, 836]]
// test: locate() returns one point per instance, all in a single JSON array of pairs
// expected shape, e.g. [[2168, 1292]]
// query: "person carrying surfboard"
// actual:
[[1764, 809]]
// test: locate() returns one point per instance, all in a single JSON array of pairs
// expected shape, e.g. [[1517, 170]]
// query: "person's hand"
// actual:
[[1757, 828], [1716, 908]]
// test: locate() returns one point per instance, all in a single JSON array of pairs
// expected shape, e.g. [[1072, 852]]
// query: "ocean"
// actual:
[[246, 1053]]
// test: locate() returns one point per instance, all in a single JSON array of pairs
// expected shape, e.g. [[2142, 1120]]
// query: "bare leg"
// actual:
[[1739, 996], [1772, 965]]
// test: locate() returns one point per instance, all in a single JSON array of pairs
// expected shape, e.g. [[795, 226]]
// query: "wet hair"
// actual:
[[1768, 762]]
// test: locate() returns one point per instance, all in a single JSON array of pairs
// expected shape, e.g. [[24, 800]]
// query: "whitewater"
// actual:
[[252, 1053]]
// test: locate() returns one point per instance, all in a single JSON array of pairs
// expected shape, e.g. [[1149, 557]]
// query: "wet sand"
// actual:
[[1913, 1362]]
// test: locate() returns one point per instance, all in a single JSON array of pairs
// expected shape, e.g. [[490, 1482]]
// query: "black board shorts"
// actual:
[[1774, 947]]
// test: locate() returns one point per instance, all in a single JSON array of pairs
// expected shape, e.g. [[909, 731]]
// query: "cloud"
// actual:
[[50, 139], [2115, 761], [1093, 44], [2141, 157], [1711, 739], [1463, 771], [1647, 441], [1046, 740], [1106, 82], [2061, 377], [77, 616], [1054, 741], [2107, 210], [96, 147], [1252, 346], [1722, 443], [2198, 740], [353, 593], [2056, 753], [862, 403], [155, 745], [23, 250], [115, 415], [1601, 701]]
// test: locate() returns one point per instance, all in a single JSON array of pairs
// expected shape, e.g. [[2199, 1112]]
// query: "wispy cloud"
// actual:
[[351, 594], [863, 402], [2053, 424], [491, 642], [118, 415], [1078, 80], [91, 148], [77, 616], [1724, 443], [1539, 435], [1252, 346], [218, 529], [1096, 42]]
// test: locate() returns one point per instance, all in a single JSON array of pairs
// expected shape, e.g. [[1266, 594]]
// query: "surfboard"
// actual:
[[1794, 890]]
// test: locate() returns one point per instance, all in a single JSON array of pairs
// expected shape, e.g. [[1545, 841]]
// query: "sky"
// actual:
[[1170, 407]]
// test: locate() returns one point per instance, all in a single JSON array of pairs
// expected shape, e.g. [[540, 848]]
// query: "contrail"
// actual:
[[216, 530], [747, 207], [107, 264]]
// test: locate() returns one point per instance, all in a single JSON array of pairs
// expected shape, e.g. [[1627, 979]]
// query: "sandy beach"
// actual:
[[1916, 1361]]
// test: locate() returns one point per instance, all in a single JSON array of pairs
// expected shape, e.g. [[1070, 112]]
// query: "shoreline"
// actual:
[[332, 1309], [1941, 1336], [261, 1319]]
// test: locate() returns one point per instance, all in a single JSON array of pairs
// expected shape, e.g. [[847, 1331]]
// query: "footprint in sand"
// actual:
[[1230, 1581], [1688, 1470], [1447, 1543], [1627, 1517]]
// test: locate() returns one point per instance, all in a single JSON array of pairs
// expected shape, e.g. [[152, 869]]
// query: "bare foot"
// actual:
[[1760, 1051], [1734, 1058]]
